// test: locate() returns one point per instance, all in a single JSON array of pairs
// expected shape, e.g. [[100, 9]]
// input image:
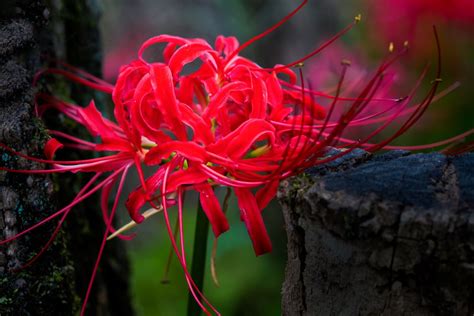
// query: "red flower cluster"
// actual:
[[215, 126], [228, 123]]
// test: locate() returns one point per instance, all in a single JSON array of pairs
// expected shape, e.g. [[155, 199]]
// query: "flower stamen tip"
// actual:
[[391, 47], [346, 62], [401, 99]]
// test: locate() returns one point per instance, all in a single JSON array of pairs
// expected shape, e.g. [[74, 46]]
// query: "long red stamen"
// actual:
[[303, 113], [47, 219], [84, 73], [124, 171], [118, 156], [59, 225], [107, 88], [175, 247], [72, 138], [423, 105], [102, 163], [105, 207], [183, 252], [313, 148], [330, 96], [314, 52], [440, 143]]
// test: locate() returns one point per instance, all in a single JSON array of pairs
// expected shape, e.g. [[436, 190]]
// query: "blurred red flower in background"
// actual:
[[400, 20]]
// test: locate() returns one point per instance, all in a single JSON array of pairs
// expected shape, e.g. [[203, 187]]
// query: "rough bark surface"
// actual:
[[381, 235], [47, 287], [55, 284]]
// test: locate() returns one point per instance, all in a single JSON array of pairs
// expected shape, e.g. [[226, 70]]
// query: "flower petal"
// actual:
[[259, 99], [94, 121], [121, 110], [192, 175], [51, 146], [139, 197], [202, 130], [226, 45], [189, 150], [164, 38], [144, 117], [290, 73], [267, 193], [220, 98], [252, 217], [163, 88], [212, 208], [186, 54], [135, 201], [238, 142], [275, 93]]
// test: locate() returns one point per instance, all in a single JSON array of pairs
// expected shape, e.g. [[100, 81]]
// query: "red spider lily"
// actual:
[[230, 123]]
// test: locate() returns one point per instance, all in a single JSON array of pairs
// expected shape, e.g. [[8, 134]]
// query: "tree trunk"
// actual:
[[381, 235], [32, 34]]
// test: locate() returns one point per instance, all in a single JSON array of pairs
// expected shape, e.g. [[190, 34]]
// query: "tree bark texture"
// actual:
[[32, 34], [391, 234]]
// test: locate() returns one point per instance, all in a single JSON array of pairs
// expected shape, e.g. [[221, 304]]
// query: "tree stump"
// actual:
[[391, 234]]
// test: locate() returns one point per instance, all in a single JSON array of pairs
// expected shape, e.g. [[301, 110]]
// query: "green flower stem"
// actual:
[[199, 258]]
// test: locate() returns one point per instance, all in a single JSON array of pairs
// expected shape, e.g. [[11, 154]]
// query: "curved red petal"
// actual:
[[212, 208], [220, 98], [267, 193], [189, 150], [237, 143], [164, 92], [51, 146], [259, 99], [275, 93], [226, 45], [252, 217], [190, 176], [186, 54], [176, 40], [251, 132], [201, 128]]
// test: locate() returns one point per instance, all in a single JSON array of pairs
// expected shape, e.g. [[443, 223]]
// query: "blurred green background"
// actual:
[[250, 285]]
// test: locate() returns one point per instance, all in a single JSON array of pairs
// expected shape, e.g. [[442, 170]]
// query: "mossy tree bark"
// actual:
[[381, 235], [32, 33]]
